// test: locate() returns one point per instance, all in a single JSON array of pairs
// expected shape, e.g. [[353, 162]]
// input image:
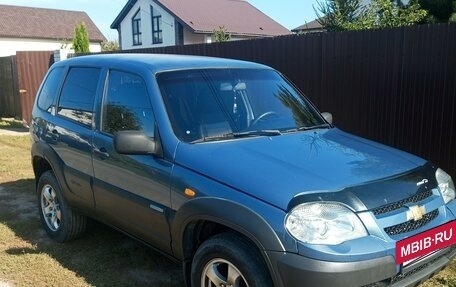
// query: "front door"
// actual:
[[131, 191]]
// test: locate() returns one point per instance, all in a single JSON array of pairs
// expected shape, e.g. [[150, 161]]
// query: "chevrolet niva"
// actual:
[[225, 166]]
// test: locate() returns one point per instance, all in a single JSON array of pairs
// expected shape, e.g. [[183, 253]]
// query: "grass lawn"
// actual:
[[7, 123], [102, 258], [28, 257]]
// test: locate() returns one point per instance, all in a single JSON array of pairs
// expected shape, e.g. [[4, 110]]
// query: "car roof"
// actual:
[[158, 62]]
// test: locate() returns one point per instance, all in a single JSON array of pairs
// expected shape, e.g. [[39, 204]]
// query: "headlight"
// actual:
[[324, 223], [446, 185]]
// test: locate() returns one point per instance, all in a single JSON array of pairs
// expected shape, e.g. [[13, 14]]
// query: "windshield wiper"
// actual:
[[213, 138], [307, 128], [265, 133], [320, 126], [254, 133]]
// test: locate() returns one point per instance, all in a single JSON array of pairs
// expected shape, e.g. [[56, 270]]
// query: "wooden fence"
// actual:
[[396, 86], [20, 78]]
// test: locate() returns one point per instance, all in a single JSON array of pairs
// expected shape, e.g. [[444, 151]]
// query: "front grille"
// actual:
[[398, 204], [411, 224]]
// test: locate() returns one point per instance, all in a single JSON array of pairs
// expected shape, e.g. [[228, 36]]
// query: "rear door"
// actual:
[[131, 191], [70, 132]]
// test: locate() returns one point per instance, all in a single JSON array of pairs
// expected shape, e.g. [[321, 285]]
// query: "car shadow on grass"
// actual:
[[102, 257]]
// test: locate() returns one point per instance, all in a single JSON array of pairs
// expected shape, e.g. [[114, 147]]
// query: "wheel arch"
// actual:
[[44, 159], [202, 218]]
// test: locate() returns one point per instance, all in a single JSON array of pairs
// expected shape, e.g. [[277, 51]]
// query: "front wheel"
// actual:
[[228, 260], [59, 220]]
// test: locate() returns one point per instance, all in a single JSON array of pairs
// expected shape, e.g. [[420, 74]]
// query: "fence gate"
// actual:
[[31, 67]]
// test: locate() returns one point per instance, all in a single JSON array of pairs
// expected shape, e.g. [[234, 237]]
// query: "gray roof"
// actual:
[[313, 25], [42, 23], [239, 17]]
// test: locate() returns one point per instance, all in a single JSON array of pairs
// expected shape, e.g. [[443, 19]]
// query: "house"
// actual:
[[38, 29], [158, 23], [311, 27]]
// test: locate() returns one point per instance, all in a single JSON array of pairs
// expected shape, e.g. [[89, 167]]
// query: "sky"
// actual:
[[289, 13]]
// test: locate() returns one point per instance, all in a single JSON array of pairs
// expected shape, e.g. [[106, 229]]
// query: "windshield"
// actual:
[[218, 104]]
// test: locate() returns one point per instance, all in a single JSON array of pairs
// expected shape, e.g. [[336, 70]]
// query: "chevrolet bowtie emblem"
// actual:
[[415, 212], [424, 181]]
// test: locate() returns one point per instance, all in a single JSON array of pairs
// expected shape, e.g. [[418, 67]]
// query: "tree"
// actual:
[[109, 46], [64, 43], [221, 35], [390, 14], [341, 15], [439, 10], [81, 39]]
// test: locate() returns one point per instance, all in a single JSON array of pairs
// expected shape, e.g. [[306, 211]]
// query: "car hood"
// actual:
[[279, 168]]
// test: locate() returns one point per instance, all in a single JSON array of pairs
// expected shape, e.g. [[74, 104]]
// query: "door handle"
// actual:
[[101, 152]]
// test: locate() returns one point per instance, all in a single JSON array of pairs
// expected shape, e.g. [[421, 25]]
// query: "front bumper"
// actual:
[[295, 270]]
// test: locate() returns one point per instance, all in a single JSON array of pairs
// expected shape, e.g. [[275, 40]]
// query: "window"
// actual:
[[218, 103], [157, 37], [179, 34], [136, 25], [127, 105], [78, 94], [49, 91]]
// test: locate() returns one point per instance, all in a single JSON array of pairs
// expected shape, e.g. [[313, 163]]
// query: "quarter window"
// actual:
[[78, 94], [127, 105], [157, 35], [48, 93], [136, 28]]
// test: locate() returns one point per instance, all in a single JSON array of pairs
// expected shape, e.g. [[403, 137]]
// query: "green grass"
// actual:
[[10, 123], [103, 257], [28, 257]]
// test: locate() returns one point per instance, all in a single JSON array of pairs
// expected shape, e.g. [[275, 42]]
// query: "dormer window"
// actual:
[[157, 37], [136, 25]]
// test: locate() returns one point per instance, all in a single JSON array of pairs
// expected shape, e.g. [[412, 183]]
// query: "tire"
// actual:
[[228, 255], [60, 222]]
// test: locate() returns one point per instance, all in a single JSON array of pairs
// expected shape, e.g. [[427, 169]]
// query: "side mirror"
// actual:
[[328, 117], [134, 142]]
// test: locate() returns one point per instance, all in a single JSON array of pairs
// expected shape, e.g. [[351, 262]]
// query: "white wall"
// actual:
[[191, 38], [168, 30], [9, 46]]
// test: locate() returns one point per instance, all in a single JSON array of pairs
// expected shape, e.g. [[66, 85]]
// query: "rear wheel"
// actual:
[[59, 220], [228, 260]]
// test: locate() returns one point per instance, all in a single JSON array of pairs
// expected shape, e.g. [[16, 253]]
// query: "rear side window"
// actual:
[[127, 105], [48, 93], [78, 94]]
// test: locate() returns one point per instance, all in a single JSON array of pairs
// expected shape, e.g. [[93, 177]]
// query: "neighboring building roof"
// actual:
[[311, 26], [41, 23], [204, 16]]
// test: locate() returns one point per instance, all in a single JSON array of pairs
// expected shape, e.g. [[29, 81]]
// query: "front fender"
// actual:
[[227, 213]]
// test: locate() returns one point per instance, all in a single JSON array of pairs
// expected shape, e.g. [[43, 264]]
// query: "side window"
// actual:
[[48, 92], [157, 32], [136, 28], [78, 94], [127, 105]]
